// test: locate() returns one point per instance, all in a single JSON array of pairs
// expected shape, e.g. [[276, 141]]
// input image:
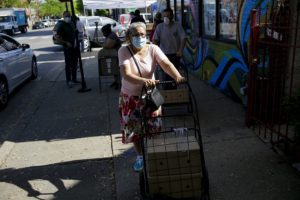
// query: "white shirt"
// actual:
[[169, 37], [80, 26]]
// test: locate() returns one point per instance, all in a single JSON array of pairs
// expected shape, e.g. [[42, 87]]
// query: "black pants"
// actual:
[[176, 62], [71, 60]]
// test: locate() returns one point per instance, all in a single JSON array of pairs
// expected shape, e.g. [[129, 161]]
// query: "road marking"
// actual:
[[59, 61], [34, 37], [50, 61], [5, 150]]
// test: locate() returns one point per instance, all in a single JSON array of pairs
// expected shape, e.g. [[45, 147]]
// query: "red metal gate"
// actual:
[[273, 52]]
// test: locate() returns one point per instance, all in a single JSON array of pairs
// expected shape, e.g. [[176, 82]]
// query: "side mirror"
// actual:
[[25, 46]]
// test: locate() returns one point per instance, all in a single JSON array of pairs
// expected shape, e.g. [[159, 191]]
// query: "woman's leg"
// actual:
[[139, 163], [138, 147]]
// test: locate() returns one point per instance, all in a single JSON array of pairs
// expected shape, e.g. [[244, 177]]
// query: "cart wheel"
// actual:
[[142, 185]]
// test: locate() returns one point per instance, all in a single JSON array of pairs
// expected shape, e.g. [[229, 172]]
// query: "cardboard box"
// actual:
[[180, 95], [176, 186], [173, 155]]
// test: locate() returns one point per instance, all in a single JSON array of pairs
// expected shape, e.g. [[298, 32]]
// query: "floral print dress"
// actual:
[[132, 110]]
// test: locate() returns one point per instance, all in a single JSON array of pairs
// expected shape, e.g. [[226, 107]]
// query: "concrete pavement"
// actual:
[[69, 147]]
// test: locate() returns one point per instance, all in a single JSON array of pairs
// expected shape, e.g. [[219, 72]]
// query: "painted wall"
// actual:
[[221, 64]]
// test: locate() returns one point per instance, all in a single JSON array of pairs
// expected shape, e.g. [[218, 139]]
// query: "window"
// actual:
[[191, 18], [209, 12], [228, 19], [92, 22]]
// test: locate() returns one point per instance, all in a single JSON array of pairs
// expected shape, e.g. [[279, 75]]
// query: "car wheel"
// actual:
[[3, 93], [24, 30], [86, 44], [34, 69]]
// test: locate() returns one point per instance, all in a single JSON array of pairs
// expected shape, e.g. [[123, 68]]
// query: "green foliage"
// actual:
[[13, 4], [51, 8], [102, 13], [292, 107], [79, 6]]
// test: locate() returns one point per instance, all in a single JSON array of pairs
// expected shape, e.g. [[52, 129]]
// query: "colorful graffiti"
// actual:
[[223, 65]]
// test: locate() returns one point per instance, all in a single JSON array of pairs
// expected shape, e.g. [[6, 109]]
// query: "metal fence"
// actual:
[[274, 75]]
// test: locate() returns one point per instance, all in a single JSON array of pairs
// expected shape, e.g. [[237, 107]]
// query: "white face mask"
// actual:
[[139, 42], [166, 20], [67, 19]]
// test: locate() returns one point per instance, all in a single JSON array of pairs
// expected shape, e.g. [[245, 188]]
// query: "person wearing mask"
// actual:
[[81, 32], [112, 43], [130, 105], [157, 20], [66, 35], [170, 37], [137, 17]]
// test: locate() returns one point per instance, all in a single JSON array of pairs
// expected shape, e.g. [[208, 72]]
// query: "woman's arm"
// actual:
[[130, 77], [169, 68]]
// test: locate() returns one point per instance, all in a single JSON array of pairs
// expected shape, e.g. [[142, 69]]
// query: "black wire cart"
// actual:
[[174, 164]]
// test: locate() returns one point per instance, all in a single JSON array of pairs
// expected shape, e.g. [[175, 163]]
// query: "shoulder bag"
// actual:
[[152, 98]]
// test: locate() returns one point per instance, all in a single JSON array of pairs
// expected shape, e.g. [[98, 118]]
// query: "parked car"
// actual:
[[17, 64], [96, 38], [46, 23], [38, 25]]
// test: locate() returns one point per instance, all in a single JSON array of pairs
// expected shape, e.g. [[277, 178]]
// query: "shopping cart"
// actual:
[[174, 165], [107, 65]]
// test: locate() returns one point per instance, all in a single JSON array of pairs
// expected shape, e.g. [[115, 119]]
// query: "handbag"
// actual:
[[152, 98]]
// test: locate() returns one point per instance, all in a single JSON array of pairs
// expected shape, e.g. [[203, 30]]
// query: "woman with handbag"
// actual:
[[137, 62]]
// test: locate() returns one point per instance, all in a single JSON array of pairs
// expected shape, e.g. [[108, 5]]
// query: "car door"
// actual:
[[20, 66], [8, 65]]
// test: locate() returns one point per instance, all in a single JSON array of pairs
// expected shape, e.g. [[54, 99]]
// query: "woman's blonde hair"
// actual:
[[132, 28]]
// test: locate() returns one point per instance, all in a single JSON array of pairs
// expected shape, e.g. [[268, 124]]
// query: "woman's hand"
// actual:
[[150, 82], [179, 79]]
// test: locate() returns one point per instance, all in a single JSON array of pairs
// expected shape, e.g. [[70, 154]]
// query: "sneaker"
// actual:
[[139, 164], [70, 84], [76, 82]]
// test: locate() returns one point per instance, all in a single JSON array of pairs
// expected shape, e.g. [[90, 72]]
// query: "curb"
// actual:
[[5, 150]]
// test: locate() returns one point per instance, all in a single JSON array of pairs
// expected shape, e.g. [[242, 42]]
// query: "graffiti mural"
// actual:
[[222, 64]]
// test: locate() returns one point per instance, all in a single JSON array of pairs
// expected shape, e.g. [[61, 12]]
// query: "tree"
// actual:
[[79, 6], [51, 8], [102, 12], [13, 3]]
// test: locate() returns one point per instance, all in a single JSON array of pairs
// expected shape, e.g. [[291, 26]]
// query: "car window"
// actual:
[[92, 22], [4, 19], [9, 44], [106, 20]]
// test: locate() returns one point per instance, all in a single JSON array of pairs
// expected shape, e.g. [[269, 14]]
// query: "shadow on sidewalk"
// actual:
[[82, 179]]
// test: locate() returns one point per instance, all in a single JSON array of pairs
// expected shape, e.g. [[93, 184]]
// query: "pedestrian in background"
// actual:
[[137, 17], [133, 80], [170, 37], [81, 32], [112, 42], [66, 35], [157, 20]]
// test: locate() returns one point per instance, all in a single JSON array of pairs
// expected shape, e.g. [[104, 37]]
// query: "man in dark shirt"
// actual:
[[138, 17], [65, 35]]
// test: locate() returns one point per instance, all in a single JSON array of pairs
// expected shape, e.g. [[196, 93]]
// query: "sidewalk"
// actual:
[[83, 158]]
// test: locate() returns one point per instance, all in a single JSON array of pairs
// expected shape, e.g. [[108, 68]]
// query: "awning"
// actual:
[[111, 4]]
